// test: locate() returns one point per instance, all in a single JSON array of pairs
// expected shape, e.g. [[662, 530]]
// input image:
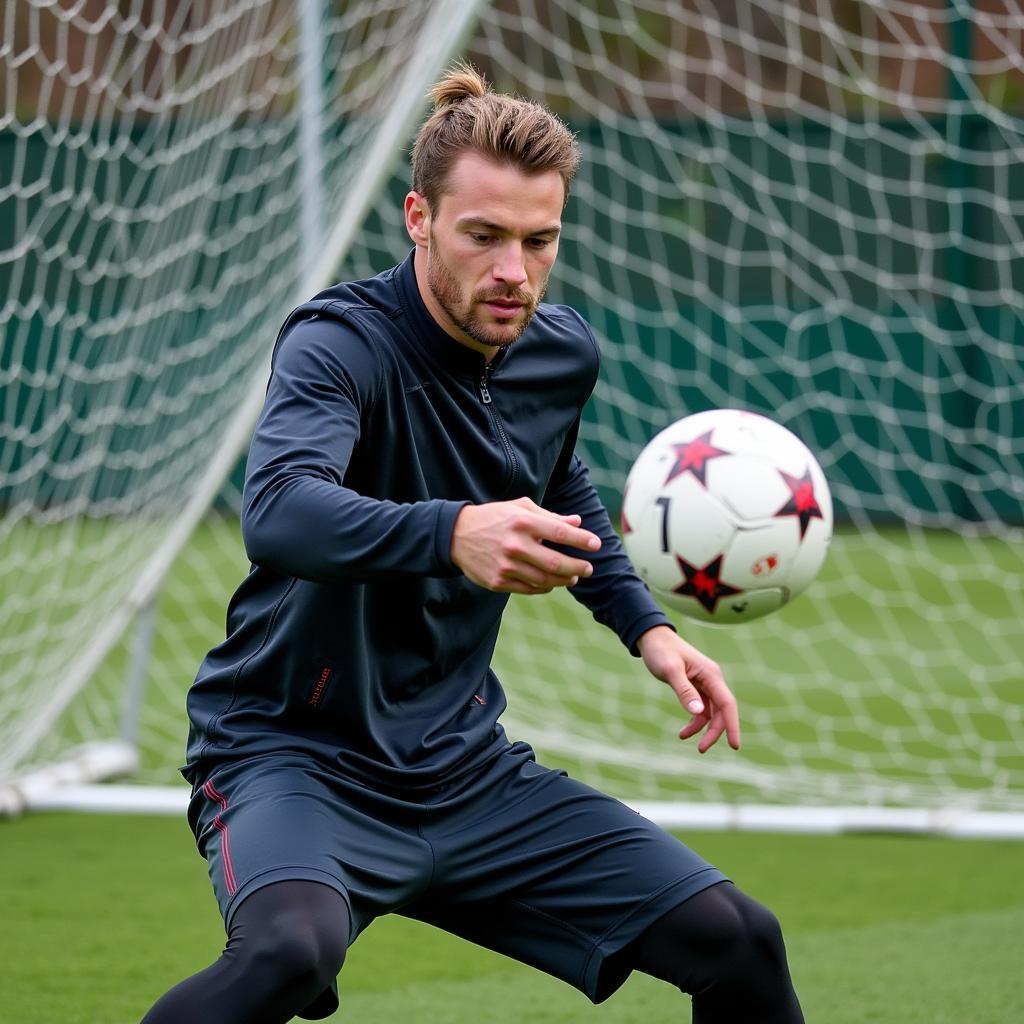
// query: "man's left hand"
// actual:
[[698, 683]]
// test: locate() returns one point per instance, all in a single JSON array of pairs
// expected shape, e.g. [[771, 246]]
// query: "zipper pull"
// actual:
[[485, 393]]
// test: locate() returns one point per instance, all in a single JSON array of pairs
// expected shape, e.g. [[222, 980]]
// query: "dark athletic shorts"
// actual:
[[515, 857]]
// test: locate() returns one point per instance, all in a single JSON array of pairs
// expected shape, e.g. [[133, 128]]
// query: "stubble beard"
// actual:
[[448, 293]]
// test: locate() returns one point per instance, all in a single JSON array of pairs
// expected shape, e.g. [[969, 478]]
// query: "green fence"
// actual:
[[820, 319]]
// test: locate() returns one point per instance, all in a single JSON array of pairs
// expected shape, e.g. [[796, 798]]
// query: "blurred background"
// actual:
[[810, 210]]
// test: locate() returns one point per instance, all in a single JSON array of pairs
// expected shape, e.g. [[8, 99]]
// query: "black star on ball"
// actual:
[[692, 457], [802, 503], [704, 584]]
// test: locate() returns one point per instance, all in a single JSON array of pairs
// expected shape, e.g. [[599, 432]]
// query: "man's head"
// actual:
[[469, 117], [491, 174]]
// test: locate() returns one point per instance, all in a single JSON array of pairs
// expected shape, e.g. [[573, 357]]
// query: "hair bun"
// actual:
[[462, 81]]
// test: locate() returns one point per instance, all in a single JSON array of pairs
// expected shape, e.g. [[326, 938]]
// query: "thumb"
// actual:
[[685, 690]]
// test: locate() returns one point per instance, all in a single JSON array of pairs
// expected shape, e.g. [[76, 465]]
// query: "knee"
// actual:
[[300, 953], [719, 936], [745, 934], [760, 933]]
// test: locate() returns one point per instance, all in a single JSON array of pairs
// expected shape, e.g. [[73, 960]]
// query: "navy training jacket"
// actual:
[[354, 638]]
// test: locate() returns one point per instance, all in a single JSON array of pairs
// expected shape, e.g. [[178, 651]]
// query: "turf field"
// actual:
[[101, 914], [865, 679]]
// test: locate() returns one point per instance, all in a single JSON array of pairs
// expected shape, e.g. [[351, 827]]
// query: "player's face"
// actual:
[[484, 254]]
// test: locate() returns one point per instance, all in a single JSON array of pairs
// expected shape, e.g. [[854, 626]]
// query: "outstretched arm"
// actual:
[[698, 683], [620, 600]]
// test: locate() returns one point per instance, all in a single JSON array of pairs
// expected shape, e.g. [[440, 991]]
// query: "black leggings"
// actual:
[[726, 951], [287, 943]]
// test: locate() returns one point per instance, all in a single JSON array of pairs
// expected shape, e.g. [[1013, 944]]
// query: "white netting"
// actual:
[[814, 211], [161, 163], [811, 210]]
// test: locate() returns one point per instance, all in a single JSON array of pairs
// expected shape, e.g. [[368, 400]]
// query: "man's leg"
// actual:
[[558, 875], [286, 945], [726, 951], [301, 861]]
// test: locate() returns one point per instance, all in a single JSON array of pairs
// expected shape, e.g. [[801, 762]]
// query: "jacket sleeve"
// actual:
[[298, 518], [615, 594]]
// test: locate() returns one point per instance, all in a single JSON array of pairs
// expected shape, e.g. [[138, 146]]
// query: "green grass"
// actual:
[[863, 677], [102, 914], [898, 663]]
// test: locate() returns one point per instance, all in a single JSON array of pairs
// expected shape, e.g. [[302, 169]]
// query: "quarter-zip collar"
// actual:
[[429, 335]]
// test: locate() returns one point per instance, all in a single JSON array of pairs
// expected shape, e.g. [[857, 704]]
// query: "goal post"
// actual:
[[812, 211], [150, 503]]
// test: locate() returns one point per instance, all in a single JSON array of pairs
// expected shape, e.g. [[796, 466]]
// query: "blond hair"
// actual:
[[467, 117]]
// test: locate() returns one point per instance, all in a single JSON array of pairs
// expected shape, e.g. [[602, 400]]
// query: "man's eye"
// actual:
[[538, 243], [482, 239]]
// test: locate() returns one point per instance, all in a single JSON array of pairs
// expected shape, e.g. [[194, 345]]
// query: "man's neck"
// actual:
[[438, 313]]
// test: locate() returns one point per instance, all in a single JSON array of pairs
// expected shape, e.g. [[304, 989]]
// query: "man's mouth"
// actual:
[[503, 307]]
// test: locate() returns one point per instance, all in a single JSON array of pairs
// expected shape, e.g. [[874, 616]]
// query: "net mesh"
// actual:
[[814, 211], [157, 163]]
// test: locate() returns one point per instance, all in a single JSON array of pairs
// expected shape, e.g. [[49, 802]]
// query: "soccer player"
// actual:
[[413, 466]]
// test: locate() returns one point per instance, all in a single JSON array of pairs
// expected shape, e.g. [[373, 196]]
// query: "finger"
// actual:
[[562, 569], [560, 572], [573, 518], [723, 711], [715, 729], [533, 591], [725, 717], [693, 726], [732, 726], [515, 586], [687, 693], [721, 722], [535, 581], [533, 578], [558, 530], [557, 567], [693, 702]]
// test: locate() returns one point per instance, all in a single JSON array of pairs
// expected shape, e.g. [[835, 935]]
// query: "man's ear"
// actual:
[[417, 218]]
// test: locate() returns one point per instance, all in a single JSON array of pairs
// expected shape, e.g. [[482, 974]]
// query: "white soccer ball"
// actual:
[[726, 515]]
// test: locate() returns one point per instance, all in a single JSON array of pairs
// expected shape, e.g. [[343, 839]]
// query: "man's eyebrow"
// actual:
[[481, 222]]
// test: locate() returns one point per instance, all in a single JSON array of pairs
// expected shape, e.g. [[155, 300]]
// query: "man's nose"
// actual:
[[510, 267]]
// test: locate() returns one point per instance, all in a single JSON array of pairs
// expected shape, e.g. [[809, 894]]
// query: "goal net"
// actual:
[[813, 211], [173, 178]]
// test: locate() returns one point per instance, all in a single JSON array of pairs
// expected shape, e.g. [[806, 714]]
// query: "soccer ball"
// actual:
[[726, 515]]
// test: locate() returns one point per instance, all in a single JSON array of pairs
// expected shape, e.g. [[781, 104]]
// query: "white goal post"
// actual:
[[352, 136], [811, 210]]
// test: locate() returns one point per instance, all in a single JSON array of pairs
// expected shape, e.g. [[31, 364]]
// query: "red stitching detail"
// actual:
[[321, 685], [221, 827]]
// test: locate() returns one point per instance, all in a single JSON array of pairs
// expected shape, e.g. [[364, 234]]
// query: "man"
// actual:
[[412, 467]]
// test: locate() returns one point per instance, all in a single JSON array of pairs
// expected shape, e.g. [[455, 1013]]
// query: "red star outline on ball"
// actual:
[[692, 457], [704, 584], [801, 503]]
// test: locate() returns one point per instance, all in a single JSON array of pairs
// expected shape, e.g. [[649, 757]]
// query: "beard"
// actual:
[[466, 314]]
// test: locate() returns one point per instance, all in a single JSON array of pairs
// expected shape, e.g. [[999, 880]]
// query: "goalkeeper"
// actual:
[[414, 465]]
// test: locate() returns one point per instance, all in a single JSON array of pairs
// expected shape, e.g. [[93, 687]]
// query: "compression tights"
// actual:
[[285, 947], [287, 943], [726, 950]]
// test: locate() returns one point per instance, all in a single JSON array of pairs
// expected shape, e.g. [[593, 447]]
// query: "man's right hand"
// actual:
[[499, 546]]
